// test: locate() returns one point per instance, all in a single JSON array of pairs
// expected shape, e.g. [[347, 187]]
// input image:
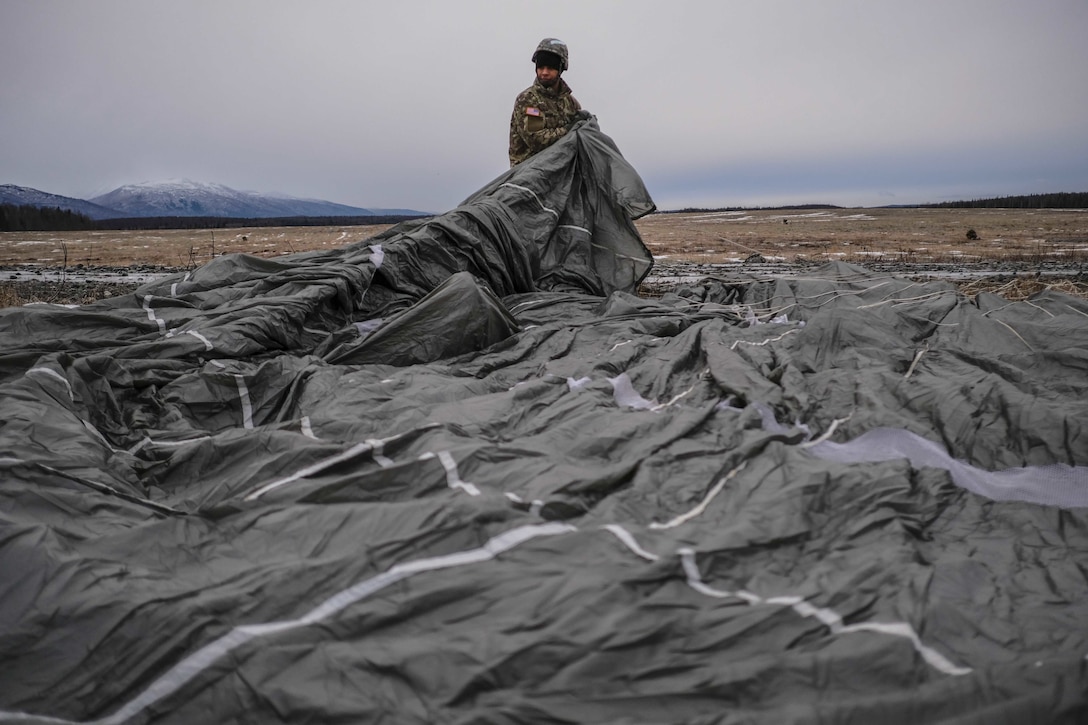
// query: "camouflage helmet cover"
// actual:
[[555, 46]]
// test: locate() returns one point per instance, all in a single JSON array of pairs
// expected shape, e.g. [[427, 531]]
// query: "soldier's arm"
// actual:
[[519, 151]]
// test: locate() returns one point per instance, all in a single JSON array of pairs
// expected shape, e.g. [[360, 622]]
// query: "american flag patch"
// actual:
[[532, 111]]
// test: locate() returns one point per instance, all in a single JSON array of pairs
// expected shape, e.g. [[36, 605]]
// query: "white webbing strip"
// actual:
[[827, 617], [527, 190], [243, 398], [629, 541], [151, 314], [54, 374], [356, 450], [197, 335], [701, 507], [174, 286], [378, 445], [764, 342], [453, 477]]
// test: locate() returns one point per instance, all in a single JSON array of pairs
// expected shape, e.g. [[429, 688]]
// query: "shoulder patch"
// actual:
[[530, 111]]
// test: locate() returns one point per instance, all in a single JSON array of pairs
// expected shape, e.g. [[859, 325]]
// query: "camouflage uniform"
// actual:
[[541, 117]]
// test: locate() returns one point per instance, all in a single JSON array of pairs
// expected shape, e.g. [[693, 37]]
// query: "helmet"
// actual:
[[554, 46]]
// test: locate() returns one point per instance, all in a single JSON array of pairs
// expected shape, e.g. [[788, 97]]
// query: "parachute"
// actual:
[[461, 472]]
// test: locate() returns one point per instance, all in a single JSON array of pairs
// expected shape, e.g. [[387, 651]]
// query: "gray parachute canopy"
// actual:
[[460, 473]]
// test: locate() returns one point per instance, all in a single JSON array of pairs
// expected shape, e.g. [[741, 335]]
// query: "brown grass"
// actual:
[[865, 235], [169, 247], [58, 292], [852, 235], [1021, 288]]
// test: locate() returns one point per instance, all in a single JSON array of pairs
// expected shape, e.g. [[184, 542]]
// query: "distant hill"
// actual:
[[186, 198], [25, 196], [400, 212]]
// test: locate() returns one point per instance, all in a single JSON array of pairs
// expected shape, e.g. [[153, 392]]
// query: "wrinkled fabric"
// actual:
[[262, 492]]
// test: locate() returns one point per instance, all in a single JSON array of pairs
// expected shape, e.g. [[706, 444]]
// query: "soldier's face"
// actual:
[[547, 75]]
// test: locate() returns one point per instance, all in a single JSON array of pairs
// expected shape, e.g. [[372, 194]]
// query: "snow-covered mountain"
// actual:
[[192, 198], [189, 198], [24, 195]]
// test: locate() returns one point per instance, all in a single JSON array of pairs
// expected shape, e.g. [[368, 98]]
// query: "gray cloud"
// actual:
[[407, 104]]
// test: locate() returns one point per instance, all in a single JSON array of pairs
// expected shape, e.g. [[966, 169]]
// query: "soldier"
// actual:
[[544, 111]]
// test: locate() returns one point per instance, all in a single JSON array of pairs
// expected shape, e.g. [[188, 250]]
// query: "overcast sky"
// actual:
[[407, 103]]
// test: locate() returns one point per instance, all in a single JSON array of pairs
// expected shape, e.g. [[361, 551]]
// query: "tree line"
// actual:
[[28, 218], [1059, 200]]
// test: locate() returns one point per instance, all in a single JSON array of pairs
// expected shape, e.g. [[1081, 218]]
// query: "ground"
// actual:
[[1013, 251]]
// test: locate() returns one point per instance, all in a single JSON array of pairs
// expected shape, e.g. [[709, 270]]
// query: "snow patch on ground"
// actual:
[[740, 216]]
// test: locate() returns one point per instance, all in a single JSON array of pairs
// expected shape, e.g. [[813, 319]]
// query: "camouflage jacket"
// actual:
[[541, 117]]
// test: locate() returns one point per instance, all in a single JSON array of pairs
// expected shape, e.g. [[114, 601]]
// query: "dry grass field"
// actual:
[[1032, 242], [863, 235], [175, 248]]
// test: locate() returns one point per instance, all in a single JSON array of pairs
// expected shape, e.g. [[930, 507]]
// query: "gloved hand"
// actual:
[[582, 115]]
